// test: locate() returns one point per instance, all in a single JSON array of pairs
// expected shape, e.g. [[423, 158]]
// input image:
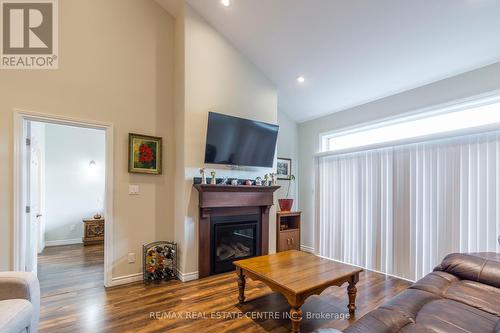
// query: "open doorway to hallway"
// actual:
[[65, 192]]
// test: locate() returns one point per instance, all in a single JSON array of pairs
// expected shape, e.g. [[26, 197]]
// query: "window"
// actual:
[[406, 129]]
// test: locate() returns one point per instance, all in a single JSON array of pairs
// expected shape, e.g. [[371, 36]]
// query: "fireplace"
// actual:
[[233, 224], [233, 238]]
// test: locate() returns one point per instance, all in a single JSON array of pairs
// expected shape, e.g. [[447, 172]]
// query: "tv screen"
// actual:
[[238, 141]]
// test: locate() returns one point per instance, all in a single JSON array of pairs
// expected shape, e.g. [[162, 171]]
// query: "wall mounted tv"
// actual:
[[238, 141]]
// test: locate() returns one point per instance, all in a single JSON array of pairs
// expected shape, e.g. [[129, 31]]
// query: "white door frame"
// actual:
[[19, 232]]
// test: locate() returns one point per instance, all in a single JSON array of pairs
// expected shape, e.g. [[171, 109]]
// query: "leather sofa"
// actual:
[[19, 302], [462, 294]]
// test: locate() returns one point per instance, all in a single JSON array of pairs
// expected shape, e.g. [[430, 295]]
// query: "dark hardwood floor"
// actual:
[[74, 300]]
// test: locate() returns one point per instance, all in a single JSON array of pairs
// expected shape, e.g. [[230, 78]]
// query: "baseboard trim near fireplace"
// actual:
[[307, 248], [185, 277], [125, 279]]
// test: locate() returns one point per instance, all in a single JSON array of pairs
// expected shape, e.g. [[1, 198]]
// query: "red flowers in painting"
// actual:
[[145, 153]]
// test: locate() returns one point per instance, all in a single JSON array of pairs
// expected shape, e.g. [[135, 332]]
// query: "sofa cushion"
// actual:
[[435, 282], [15, 315], [475, 294], [419, 311], [380, 321], [425, 309], [410, 302], [450, 316], [480, 267]]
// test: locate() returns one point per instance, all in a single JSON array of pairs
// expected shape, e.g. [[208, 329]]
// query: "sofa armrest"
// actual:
[[480, 267], [22, 285], [19, 285]]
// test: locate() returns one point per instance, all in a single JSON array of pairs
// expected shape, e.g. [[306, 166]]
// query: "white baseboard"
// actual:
[[367, 269], [185, 277], [119, 280], [307, 248], [63, 242]]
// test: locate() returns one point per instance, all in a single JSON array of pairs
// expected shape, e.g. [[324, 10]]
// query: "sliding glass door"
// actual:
[[400, 210]]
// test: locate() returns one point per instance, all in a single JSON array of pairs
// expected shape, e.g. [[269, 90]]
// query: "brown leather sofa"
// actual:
[[461, 295]]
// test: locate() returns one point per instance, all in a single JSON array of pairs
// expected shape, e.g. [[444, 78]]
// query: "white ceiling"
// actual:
[[355, 51]]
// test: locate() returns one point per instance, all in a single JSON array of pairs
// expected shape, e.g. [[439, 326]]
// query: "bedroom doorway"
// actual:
[[63, 197]]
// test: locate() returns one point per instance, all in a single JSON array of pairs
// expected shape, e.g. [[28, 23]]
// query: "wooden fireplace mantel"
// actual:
[[235, 196], [227, 200]]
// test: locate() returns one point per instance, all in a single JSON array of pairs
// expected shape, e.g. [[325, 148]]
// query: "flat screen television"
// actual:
[[238, 141]]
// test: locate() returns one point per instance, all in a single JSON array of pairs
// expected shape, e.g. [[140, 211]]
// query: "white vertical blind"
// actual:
[[400, 210]]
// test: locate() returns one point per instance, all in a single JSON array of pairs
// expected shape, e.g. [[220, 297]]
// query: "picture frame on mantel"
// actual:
[[144, 154], [284, 168]]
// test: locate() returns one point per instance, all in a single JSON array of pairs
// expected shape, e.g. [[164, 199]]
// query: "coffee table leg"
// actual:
[[241, 285], [296, 318], [351, 291]]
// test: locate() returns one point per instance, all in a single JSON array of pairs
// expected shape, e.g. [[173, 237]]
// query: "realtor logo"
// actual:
[[29, 34]]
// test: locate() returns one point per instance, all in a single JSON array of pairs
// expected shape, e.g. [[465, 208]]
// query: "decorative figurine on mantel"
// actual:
[[266, 179], [275, 180], [234, 182], [213, 181], [248, 182], [258, 181], [203, 177]]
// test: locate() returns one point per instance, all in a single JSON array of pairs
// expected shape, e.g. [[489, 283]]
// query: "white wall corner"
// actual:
[[125, 279], [185, 277], [307, 248]]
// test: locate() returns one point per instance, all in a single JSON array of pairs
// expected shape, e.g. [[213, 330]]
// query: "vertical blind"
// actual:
[[400, 210]]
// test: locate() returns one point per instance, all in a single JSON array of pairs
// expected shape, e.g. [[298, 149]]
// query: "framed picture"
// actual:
[[284, 168], [144, 154]]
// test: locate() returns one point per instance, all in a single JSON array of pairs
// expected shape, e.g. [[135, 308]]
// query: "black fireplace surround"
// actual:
[[233, 238]]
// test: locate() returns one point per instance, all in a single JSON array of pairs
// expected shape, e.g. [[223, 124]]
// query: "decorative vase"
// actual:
[[285, 204]]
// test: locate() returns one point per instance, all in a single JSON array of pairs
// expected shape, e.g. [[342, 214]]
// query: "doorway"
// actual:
[[63, 196]]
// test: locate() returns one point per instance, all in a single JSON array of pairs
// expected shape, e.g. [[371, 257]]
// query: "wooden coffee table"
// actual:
[[298, 275]]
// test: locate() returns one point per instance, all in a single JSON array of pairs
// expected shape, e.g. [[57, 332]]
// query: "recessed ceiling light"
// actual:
[[225, 3], [301, 79]]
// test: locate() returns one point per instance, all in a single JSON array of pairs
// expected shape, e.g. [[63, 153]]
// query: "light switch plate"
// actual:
[[131, 258], [133, 189]]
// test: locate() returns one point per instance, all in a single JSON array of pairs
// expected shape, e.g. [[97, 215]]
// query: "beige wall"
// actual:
[[217, 78], [288, 142], [179, 88], [116, 65], [472, 83]]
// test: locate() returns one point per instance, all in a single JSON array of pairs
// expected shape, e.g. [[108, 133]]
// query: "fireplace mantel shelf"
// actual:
[[231, 200], [234, 188], [211, 196]]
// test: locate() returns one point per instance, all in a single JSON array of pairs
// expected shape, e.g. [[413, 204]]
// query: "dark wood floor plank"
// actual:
[[74, 300]]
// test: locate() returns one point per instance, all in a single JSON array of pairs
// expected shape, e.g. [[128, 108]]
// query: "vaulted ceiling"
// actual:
[[351, 52]]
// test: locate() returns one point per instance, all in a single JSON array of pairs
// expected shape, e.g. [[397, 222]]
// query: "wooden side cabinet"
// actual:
[[287, 231], [93, 231]]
